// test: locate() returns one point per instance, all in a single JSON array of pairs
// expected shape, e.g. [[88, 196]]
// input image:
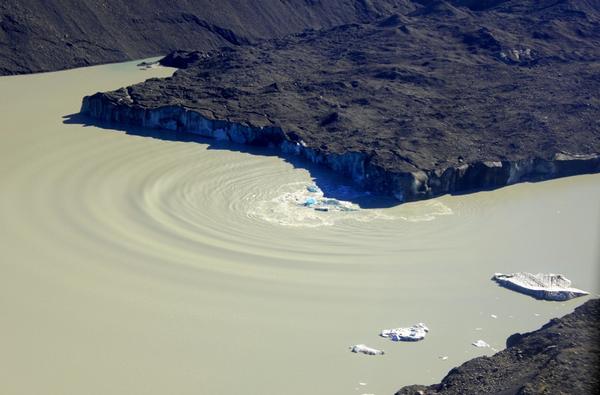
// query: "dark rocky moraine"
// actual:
[[562, 357], [43, 35], [442, 100]]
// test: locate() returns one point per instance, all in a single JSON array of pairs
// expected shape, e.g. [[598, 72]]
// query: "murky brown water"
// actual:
[[135, 265]]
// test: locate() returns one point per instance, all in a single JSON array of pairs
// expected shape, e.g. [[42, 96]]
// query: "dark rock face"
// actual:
[[42, 35], [443, 99], [562, 357]]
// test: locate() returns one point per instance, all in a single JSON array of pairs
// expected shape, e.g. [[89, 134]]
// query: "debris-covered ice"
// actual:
[[361, 348], [480, 343], [413, 333], [542, 286]]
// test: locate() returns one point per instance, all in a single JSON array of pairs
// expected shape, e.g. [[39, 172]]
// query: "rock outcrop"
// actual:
[[41, 35], [411, 105], [563, 357]]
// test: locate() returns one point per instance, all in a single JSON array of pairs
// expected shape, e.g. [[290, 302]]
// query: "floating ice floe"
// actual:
[[361, 348], [542, 286], [414, 333], [480, 343]]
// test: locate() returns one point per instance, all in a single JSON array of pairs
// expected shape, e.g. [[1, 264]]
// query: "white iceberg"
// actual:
[[361, 348], [542, 286], [414, 333], [480, 343]]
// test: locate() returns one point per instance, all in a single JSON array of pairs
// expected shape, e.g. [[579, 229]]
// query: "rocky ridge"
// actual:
[[42, 35], [562, 357], [448, 98]]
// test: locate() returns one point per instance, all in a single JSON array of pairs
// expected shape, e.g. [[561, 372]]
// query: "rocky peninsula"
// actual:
[[560, 358], [446, 99]]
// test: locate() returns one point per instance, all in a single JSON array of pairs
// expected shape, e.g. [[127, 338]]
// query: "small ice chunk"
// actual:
[[493, 316], [547, 286], [480, 343], [414, 333], [313, 188], [361, 383], [310, 201], [361, 348], [478, 329], [443, 357]]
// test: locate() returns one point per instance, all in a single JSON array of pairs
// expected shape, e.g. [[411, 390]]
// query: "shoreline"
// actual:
[[403, 186], [560, 357]]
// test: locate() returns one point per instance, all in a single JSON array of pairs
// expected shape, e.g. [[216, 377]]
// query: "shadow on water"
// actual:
[[332, 184]]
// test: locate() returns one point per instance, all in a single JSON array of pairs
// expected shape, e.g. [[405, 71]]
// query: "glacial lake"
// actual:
[[134, 264]]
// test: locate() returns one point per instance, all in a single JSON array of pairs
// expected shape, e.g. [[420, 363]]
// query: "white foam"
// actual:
[[287, 206], [425, 211]]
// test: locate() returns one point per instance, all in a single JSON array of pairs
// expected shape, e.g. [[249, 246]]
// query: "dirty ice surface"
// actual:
[[361, 348], [541, 285], [414, 333]]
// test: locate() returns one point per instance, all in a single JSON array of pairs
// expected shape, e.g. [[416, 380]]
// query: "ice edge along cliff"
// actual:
[[404, 186]]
